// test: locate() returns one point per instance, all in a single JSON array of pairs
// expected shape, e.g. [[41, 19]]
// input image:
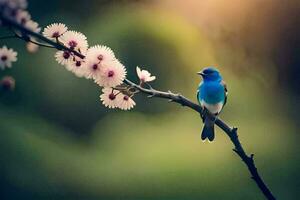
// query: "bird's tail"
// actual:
[[208, 130]]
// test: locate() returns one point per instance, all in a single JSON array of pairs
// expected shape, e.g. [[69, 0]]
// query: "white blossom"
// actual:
[[7, 56], [96, 57], [77, 66], [93, 69], [100, 53], [124, 102], [31, 47], [109, 97], [63, 57], [144, 75], [112, 74], [22, 17], [54, 31], [75, 41], [33, 26]]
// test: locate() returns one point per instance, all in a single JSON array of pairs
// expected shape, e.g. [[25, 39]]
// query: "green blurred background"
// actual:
[[58, 142]]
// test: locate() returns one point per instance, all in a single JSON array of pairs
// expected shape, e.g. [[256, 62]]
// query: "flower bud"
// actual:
[[7, 83]]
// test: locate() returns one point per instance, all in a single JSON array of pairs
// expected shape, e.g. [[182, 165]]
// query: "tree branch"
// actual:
[[177, 98], [13, 24]]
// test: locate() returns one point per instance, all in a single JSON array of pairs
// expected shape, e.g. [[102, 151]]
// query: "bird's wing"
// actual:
[[226, 92], [198, 92]]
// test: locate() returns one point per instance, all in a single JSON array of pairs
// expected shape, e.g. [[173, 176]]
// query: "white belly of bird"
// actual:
[[213, 108]]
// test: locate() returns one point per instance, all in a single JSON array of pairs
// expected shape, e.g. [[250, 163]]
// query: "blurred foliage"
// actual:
[[58, 142]]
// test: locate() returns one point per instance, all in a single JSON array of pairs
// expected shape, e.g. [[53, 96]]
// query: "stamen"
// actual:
[[95, 66], [66, 55], [55, 35], [111, 73], [100, 57], [112, 96], [126, 98], [72, 44], [78, 63], [4, 58]]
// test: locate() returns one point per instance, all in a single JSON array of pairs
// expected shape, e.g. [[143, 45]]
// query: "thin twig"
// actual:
[[177, 98], [42, 45], [28, 39]]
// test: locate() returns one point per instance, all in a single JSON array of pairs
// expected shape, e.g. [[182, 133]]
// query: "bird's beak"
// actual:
[[200, 73]]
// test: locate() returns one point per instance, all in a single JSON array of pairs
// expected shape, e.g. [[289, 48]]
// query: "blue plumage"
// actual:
[[211, 92], [211, 95]]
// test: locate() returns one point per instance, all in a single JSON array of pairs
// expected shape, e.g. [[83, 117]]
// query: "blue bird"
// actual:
[[212, 96]]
